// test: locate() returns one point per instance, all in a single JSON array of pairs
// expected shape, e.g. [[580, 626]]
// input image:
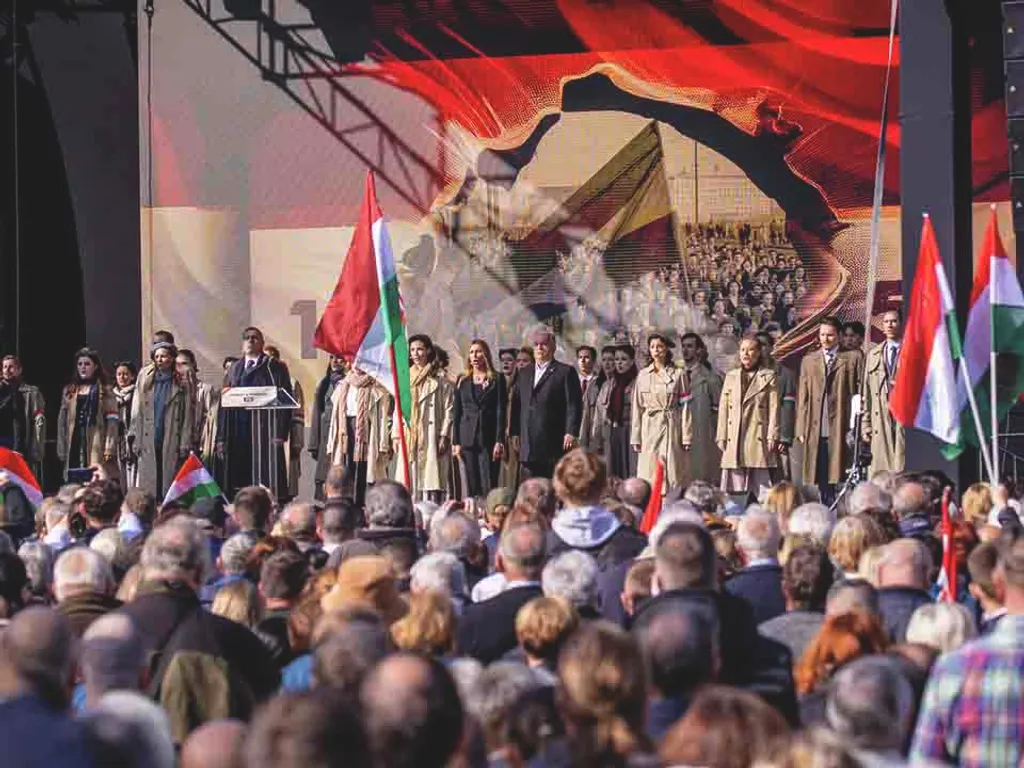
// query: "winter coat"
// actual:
[[845, 381], [878, 427], [100, 439], [661, 424], [748, 423], [179, 422]]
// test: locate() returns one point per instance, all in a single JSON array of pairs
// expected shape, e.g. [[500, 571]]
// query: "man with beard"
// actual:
[[22, 414], [748, 423]]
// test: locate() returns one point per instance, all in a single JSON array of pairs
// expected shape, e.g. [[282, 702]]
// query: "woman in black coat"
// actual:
[[481, 400]]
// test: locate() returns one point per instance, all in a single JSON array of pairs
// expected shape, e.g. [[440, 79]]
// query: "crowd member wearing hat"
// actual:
[[163, 420], [661, 426], [366, 582]]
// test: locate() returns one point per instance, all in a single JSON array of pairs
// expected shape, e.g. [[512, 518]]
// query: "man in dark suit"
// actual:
[[236, 441], [547, 408], [760, 580], [487, 630]]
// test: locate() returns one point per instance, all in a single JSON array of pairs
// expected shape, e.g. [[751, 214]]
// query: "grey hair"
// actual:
[[498, 687], [234, 555], [679, 511], [870, 703], [176, 549], [425, 512], [440, 572], [388, 505], [110, 544], [540, 330], [525, 547], [79, 570], [133, 727], [572, 575], [812, 519], [758, 534], [299, 518], [112, 655], [455, 533], [908, 555], [466, 673], [851, 594], [38, 560], [706, 497], [942, 626], [868, 497]]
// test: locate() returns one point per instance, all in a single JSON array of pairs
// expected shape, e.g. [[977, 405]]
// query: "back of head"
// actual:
[[101, 501], [538, 494], [910, 499], [572, 575], [812, 519], [685, 558], [142, 504], [319, 729], [905, 563], [841, 639], [37, 646], [284, 575], [681, 648], [523, 551], [679, 511], [868, 498], [176, 551], [942, 626], [252, 508], [388, 505], [299, 520], [454, 532], [215, 744], [81, 571], [543, 625], [129, 729], [413, 713], [499, 687], [580, 478], [635, 491], [430, 627], [851, 595], [758, 536], [339, 482], [339, 518], [347, 645], [112, 655], [110, 544], [38, 560], [441, 572], [234, 554], [871, 704], [706, 497], [807, 577]]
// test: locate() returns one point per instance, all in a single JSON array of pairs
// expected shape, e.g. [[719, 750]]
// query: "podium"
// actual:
[[263, 405]]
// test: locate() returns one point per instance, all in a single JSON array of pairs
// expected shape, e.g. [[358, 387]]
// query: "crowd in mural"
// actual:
[[628, 558]]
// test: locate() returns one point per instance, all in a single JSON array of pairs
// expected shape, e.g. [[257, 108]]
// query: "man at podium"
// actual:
[[236, 443]]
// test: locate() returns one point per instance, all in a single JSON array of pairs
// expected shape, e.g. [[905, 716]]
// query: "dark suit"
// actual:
[[234, 426], [761, 587], [488, 629], [479, 419], [544, 414]]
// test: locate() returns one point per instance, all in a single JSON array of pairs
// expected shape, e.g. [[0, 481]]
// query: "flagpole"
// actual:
[[977, 421], [402, 445], [993, 299]]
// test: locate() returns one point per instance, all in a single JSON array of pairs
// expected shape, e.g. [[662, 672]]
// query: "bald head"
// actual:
[[635, 491], [911, 498], [113, 657], [299, 519], [37, 647], [522, 552], [905, 563], [213, 745]]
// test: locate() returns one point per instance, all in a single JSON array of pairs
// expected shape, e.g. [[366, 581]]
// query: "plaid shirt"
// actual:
[[973, 708]]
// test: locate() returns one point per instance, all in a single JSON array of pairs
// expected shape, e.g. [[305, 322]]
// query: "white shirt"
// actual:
[[352, 402], [538, 371]]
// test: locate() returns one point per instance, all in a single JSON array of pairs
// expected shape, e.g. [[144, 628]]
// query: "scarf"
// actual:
[[325, 387], [363, 383], [420, 377], [617, 403]]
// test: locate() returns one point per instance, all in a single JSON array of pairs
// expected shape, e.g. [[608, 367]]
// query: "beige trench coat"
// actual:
[[202, 412], [101, 438], [748, 423], [705, 389], [601, 432], [878, 427], [179, 421], [590, 422], [661, 425], [429, 467], [378, 443], [811, 392]]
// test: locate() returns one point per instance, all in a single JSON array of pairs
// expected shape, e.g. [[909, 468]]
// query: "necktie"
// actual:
[[250, 364], [585, 383], [891, 364]]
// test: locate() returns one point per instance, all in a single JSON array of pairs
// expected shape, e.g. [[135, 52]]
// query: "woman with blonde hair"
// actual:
[[977, 504], [602, 696], [430, 627], [479, 420], [240, 602], [851, 538], [781, 500], [942, 626]]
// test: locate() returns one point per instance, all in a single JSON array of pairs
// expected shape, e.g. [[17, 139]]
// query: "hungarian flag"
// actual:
[[191, 483], [924, 393], [14, 469], [363, 321], [995, 323], [947, 576]]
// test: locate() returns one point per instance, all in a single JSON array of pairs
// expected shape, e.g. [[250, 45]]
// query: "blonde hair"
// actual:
[[977, 504], [792, 542], [782, 499], [468, 370], [429, 627], [580, 477], [239, 602], [867, 568], [942, 626], [851, 538], [543, 625]]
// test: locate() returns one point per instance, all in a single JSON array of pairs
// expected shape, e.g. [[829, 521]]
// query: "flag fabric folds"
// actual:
[[948, 575], [14, 469], [363, 320], [657, 498], [924, 394], [995, 322], [191, 483]]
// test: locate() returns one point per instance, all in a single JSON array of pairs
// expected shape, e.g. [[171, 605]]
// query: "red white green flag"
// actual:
[[191, 483], [14, 469]]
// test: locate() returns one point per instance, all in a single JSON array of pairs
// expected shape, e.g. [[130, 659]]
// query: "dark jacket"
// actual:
[[487, 630], [896, 605], [543, 415], [761, 587], [795, 630], [479, 416], [82, 610], [19, 516], [611, 583], [33, 736]]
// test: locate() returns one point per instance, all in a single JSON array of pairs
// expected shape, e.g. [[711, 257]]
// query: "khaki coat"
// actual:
[[845, 381], [661, 424], [705, 389], [179, 422], [748, 423], [382, 406], [601, 430], [878, 427], [101, 438], [508, 474], [208, 400], [430, 467], [590, 421], [787, 384]]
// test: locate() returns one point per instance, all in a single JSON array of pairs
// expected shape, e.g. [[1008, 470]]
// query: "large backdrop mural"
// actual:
[[604, 166]]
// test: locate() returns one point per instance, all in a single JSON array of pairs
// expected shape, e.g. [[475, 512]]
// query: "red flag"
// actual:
[[947, 577], [14, 468], [654, 505]]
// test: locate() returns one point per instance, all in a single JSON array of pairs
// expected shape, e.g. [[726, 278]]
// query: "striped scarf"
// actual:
[[364, 389]]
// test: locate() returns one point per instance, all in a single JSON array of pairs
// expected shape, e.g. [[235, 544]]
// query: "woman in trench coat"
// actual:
[[429, 437], [88, 427], [660, 426]]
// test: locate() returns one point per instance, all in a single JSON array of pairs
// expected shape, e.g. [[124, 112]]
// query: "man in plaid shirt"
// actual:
[[973, 708]]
